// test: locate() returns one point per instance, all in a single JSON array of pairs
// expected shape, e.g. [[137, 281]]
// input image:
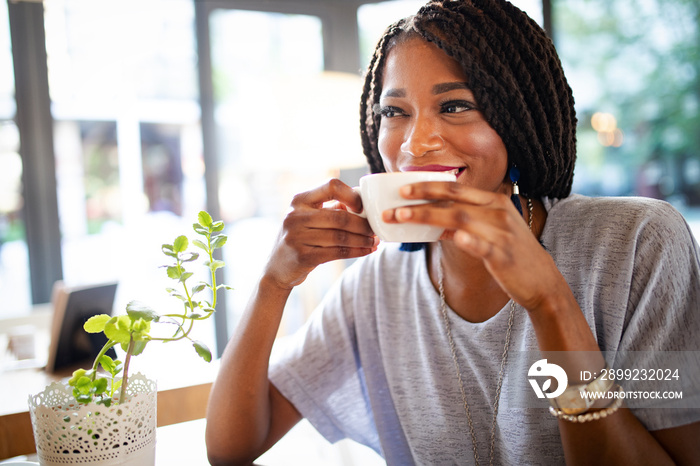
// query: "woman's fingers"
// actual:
[[333, 190], [314, 233], [448, 191], [329, 218]]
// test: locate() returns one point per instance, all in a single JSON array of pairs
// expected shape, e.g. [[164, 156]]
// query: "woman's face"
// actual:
[[430, 120]]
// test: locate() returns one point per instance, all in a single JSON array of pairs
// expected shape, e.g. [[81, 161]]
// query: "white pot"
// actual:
[[67, 432]]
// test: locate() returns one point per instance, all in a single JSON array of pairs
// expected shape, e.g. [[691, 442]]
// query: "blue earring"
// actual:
[[514, 177]]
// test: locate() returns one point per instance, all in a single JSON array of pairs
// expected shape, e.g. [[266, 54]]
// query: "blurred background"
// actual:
[[121, 119]]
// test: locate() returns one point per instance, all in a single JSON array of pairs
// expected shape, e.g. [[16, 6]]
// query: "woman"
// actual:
[[413, 353]]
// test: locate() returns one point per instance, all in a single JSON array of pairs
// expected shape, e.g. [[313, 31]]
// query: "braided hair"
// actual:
[[516, 77]]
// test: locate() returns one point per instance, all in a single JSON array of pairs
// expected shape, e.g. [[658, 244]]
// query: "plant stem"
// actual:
[[213, 272], [125, 377], [102, 352]]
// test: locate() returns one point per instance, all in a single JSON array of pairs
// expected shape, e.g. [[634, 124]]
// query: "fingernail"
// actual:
[[376, 242], [463, 237], [404, 213], [406, 190]]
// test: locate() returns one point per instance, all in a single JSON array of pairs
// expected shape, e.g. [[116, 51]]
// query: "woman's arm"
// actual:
[[246, 413], [619, 438], [487, 226]]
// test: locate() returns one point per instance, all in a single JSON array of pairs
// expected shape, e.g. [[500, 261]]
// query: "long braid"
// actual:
[[516, 77], [369, 119]]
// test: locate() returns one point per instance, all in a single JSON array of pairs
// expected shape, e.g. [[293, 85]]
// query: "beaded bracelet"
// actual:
[[595, 415]]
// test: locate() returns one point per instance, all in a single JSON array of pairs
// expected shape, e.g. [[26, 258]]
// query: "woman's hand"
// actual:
[[487, 226], [313, 233]]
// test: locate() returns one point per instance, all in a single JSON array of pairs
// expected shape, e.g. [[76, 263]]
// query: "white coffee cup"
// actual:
[[380, 192]]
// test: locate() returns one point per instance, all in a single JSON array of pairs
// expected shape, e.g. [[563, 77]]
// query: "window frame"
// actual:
[[35, 122]]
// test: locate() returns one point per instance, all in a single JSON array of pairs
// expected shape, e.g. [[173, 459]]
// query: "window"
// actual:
[[14, 262], [283, 125], [127, 139], [634, 70]]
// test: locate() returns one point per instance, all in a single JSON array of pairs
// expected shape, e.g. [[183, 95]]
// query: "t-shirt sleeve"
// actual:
[[660, 339], [318, 370]]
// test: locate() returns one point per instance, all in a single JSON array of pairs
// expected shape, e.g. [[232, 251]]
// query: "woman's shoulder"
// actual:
[[609, 226], [631, 213]]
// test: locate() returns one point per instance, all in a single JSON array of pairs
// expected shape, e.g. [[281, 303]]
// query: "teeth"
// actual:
[[454, 172]]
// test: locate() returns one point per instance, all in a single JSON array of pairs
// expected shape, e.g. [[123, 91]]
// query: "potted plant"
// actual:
[[104, 415]]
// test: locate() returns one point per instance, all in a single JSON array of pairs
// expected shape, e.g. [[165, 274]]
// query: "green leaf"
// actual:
[[189, 257], [218, 241], [119, 329], [100, 386], [140, 328], [213, 265], [202, 350], [174, 272], [76, 376], [200, 244], [185, 276], [179, 296], [107, 402], [217, 226], [96, 324], [204, 219], [84, 385], [108, 364], [200, 229], [196, 315], [139, 346], [197, 288], [116, 385], [226, 287], [180, 244], [168, 250], [139, 310], [83, 398]]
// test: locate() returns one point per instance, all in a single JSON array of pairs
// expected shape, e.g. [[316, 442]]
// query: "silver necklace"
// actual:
[[453, 349]]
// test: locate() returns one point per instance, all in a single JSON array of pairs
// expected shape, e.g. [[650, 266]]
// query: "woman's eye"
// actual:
[[457, 106], [390, 112]]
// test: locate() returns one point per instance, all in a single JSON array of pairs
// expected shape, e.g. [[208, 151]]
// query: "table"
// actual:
[[301, 445]]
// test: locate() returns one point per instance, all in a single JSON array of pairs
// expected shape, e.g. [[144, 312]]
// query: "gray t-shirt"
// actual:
[[373, 363]]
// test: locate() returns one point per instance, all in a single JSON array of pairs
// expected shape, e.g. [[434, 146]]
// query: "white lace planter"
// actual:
[[67, 432]]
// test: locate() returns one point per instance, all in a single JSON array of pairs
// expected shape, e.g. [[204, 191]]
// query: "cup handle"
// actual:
[[362, 214]]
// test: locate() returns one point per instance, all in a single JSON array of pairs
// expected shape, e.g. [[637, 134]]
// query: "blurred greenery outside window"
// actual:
[[634, 68]]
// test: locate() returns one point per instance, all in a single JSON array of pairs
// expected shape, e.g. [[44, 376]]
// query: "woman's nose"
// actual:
[[422, 137]]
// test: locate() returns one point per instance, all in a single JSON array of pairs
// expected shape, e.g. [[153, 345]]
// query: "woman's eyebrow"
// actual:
[[394, 93], [437, 89], [447, 87]]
